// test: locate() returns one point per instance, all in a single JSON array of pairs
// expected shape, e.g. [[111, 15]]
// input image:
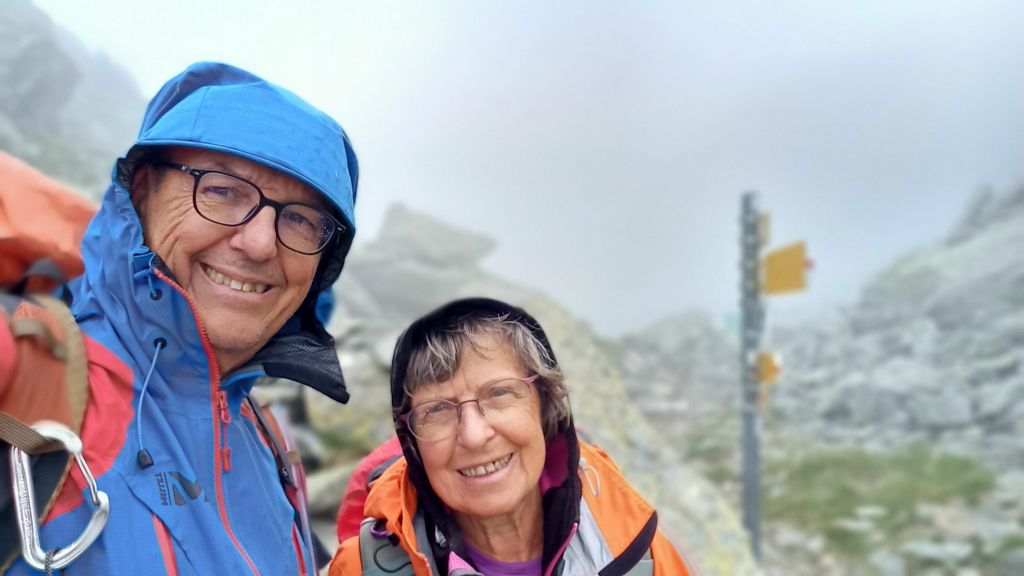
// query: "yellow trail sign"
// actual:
[[769, 366], [785, 269]]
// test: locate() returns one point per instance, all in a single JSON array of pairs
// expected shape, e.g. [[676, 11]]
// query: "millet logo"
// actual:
[[178, 484]]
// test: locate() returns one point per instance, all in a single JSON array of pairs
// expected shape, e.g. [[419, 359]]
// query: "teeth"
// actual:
[[236, 285], [488, 468]]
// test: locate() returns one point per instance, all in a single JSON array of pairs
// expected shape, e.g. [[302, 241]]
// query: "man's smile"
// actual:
[[233, 283]]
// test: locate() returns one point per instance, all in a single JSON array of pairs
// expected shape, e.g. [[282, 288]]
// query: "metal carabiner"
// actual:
[[25, 503]]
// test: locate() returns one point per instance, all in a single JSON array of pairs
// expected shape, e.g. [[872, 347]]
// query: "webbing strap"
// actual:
[[13, 432], [36, 328], [76, 368]]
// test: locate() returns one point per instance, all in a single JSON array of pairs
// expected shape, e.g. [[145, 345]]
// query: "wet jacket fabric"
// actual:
[[610, 530], [212, 502]]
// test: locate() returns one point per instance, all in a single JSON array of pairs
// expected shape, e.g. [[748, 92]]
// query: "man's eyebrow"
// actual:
[[222, 167], [317, 200]]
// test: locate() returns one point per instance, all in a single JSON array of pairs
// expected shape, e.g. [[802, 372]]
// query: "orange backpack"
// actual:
[[43, 369]]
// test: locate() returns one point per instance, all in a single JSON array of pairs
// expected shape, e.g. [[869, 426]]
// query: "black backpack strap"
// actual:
[[283, 460], [277, 446], [636, 558]]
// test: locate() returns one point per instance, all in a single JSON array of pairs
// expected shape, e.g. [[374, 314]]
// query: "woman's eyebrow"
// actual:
[[434, 398], [498, 379]]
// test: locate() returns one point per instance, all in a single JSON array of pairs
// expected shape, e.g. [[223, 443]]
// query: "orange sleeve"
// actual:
[[346, 561], [668, 561]]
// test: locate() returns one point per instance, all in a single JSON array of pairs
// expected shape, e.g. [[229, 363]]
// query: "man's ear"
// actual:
[[144, 181]]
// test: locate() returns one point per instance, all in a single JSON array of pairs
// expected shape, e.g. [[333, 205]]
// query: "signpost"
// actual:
[[781, 271]]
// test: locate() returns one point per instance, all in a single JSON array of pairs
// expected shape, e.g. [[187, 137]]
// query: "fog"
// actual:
[[605, 145]]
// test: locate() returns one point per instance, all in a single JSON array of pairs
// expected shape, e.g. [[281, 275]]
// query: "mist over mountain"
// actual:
[[64, 109]]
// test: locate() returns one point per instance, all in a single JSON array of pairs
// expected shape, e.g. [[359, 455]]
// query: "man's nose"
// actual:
[[258, 237]]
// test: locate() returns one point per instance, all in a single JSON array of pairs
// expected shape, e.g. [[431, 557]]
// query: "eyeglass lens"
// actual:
[[439, 419], [227, 200]]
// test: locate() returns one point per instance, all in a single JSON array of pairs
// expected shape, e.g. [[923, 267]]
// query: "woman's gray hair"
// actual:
[[437, 360]]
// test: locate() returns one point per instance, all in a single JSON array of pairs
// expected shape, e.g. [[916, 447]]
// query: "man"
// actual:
[[223, 225]]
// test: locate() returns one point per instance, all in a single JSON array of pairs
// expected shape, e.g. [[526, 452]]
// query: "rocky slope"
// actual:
[[930, 355], [932, 351]]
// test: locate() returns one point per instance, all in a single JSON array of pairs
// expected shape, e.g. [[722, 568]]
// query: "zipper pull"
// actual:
[[225, 417], [222, 407]]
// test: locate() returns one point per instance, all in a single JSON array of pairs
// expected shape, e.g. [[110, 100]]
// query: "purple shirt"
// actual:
[[491, 567]]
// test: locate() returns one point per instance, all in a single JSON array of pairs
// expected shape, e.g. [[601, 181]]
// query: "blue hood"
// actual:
[[226, 109], [219, 107]]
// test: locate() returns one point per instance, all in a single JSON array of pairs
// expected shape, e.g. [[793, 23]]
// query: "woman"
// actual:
[[494, 480]]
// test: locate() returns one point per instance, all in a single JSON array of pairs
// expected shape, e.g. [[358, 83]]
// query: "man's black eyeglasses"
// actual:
[[228, 200]]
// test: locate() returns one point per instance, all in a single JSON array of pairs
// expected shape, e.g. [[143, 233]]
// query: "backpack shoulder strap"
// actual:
[[76, 366], [288, 462], [55, 336], [66, 345], [379, 551]]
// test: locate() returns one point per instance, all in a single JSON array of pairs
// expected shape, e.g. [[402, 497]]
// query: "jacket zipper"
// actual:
[[215, 393], [561, 551], [225, 419]]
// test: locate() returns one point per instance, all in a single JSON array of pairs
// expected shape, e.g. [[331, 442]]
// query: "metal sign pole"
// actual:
[[751, 324]]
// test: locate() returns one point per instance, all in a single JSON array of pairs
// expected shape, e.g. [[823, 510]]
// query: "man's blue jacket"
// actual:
[[212, 501]]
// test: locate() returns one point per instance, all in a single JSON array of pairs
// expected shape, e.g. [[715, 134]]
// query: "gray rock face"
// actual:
[[934, 345], [63, 109], [415, 264], [932, 352]]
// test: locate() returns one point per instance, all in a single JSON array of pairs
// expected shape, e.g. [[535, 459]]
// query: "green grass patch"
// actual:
[[1011, 543], [816, 492], [712, 454]]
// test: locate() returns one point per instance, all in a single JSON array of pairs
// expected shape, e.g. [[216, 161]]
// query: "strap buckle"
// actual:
[[25, 504]]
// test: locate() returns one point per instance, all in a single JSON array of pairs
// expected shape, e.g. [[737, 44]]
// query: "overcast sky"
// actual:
[[605, 144]]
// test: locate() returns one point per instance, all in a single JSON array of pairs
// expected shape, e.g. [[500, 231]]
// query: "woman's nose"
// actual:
[[474, 429]]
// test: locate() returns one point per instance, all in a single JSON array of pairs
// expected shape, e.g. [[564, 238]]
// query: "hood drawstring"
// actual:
[[154, 292], [143, 457], [591, 476]]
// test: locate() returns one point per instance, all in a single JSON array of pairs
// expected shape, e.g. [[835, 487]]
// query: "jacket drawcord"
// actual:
[[143, 457], [154, 292], [591, 476]]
